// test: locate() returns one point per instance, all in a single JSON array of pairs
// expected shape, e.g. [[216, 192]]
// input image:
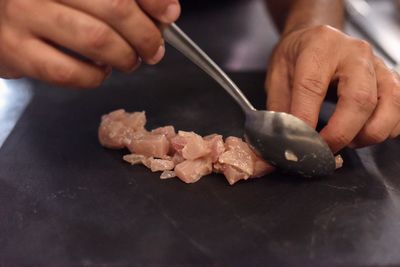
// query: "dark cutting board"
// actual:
[[66, 201]]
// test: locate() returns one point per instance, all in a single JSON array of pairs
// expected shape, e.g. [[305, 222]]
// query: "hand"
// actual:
[[302, 67], [104, 33]]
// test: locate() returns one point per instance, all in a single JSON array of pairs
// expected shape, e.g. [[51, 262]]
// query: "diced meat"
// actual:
[[261, 168], [150, 145], [216, 144], [186, 155], [167, 175], [239, 159], [178, 143], [190, 145], [339, 161], [168, 131], [244, 161], [154, 164], [177, 158], [135, 121], [134, 159], [157, 165], [190, 171], [117, 125], [234, 175]]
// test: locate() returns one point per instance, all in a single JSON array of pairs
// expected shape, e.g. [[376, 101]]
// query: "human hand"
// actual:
[[301, 69], [105, 34]]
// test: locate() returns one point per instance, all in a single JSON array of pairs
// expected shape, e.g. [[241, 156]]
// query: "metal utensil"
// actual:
[[282, 139]]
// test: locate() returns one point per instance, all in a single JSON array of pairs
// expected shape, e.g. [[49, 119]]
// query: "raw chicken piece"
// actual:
[[339, 161], [238, 154], [168, 131], [216, 144], [190, 145], [240, 162], [167, 175], [261, 168], [150, 145], [117, 125], [186, 154], [177, 158], [154, 164], [134, 159], [190, 171], [233, 175]]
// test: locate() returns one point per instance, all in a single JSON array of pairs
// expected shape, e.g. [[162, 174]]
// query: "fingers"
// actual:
[[56, 67], [312, 76], [396, 131], [357, 92], [278, 87], [83, 34], [126, 18], [382, 124], [166, 11]]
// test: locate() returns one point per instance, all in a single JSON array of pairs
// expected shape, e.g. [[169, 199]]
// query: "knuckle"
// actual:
[[367, 66], [375, 134], [312, 87], [325, 32], [364, 48], [364, 99], [120, 8], [63, 19], [97, 36]]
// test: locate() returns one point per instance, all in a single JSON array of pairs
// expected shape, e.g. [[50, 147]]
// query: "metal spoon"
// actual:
[[280, 138]]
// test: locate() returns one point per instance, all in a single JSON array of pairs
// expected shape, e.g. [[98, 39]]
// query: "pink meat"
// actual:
[[185, 155], [190, 171], [177, 158], [154, 164], [168, 131], [190, 145], [116, 126], [216, 144], [150, 145], [240, 162], [238, 154], [261, 168], [233, 175]]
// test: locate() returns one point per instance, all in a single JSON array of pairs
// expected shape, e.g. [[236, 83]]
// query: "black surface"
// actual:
[[66, 201]]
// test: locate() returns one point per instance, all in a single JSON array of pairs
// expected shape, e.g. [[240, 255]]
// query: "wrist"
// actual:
[[312, 13]]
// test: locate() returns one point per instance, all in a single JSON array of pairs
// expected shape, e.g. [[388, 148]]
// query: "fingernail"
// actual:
[[158, 56], [137, 65], [171, 13]]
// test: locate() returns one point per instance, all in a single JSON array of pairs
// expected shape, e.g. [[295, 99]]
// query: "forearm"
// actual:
[[290, 15]]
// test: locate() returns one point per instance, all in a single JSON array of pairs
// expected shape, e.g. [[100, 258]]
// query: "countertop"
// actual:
[[66, 201]]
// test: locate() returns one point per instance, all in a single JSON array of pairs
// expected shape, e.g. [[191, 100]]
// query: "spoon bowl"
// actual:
[[288, 143], [282, 139]]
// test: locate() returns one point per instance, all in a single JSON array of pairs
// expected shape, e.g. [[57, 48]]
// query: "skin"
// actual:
[[105, 34], [311, 54]]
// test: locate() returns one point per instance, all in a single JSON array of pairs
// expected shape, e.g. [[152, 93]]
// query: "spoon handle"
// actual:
[[181, 42]]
